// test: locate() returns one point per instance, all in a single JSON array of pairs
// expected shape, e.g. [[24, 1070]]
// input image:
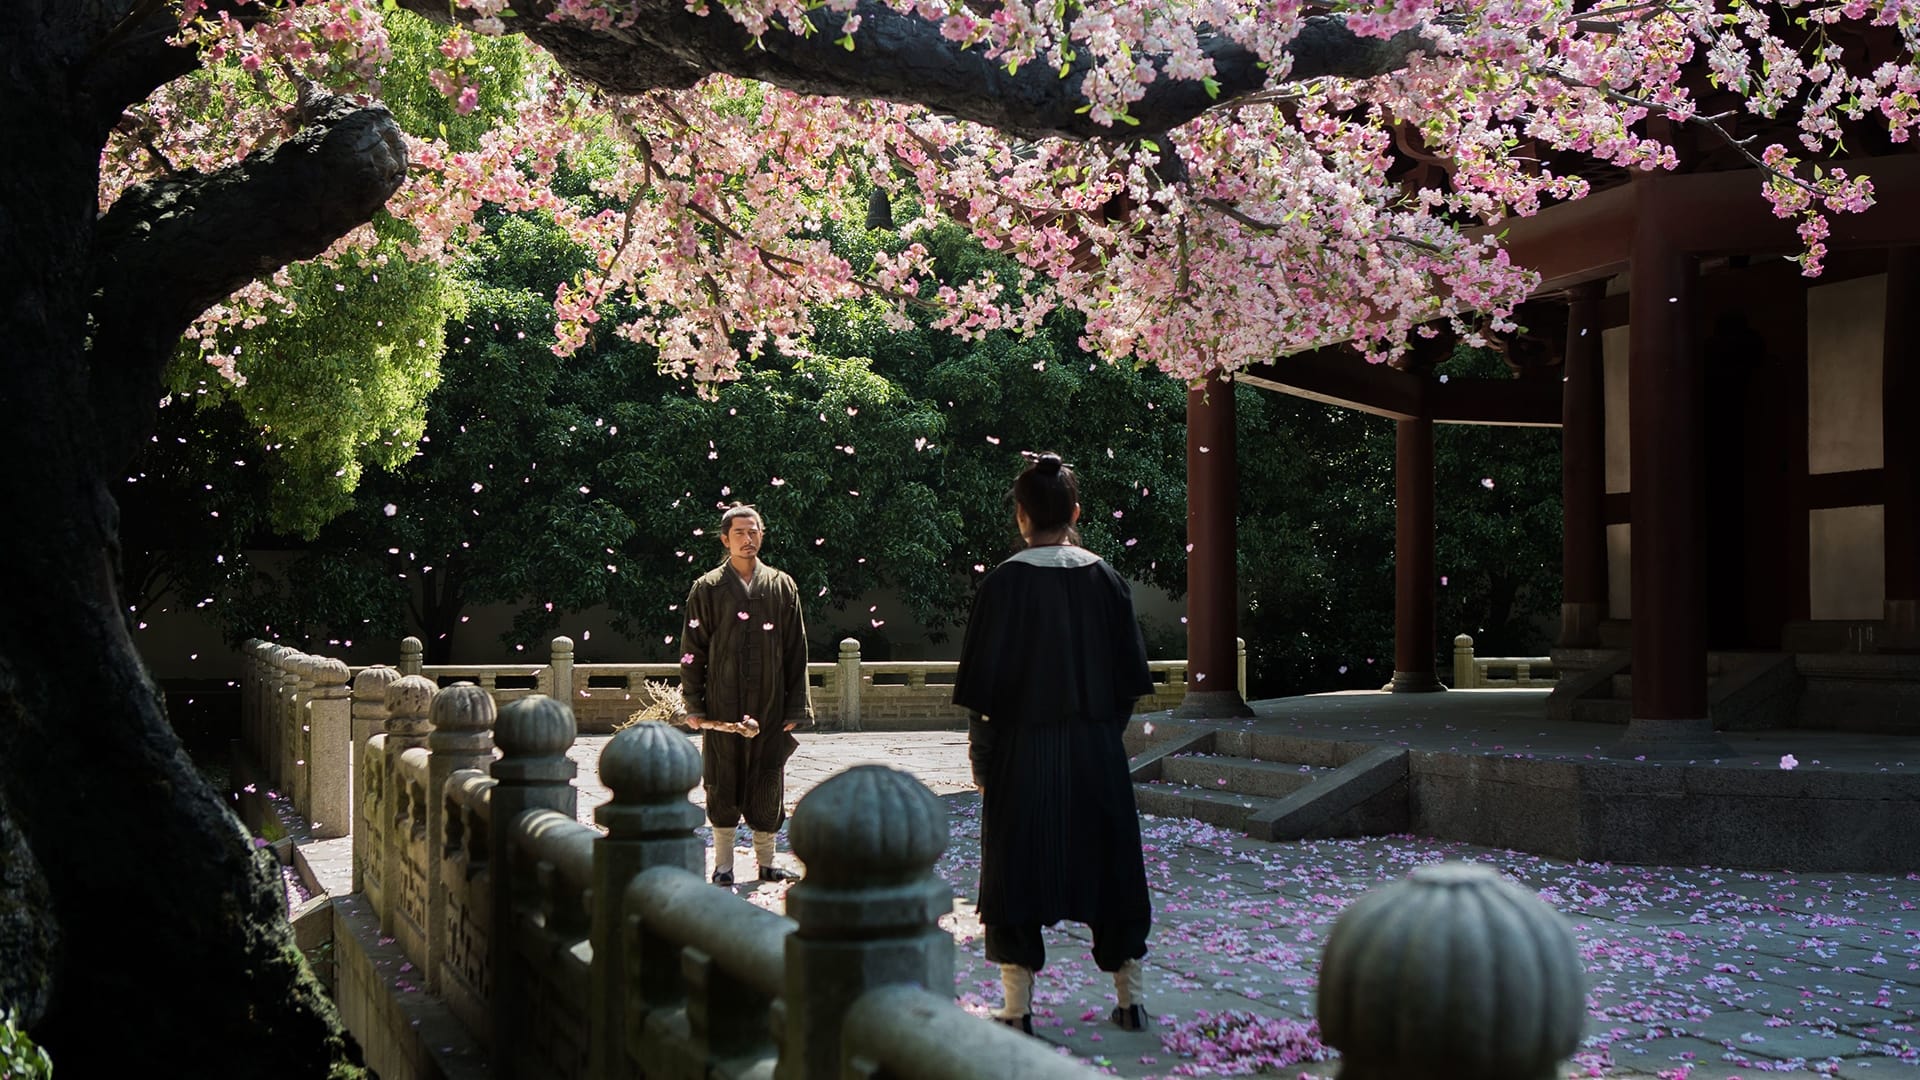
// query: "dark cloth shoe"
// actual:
[[774, 873], [1022, 1023], [723, 877], [1131, 1018]]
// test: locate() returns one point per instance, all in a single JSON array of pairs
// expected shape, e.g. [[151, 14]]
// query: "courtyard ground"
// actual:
[[1693, 972]]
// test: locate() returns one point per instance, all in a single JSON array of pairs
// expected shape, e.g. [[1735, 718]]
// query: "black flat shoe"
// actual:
[[1131, 1018], [723, 877], [774, 873], [1022, 1023]]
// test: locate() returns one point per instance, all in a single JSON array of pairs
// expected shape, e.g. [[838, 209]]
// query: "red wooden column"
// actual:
[[1666, 402], [1213, 580], [1583, 474], [1413, 528], [1900, 441]]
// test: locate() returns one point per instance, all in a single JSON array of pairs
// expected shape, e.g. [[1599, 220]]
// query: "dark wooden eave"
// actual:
[[1713, 213]]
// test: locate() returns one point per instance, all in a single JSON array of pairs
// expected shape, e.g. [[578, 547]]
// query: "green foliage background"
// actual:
[[406, 446]]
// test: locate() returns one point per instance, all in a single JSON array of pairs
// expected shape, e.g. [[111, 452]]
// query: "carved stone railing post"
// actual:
[[249, 691], [462, 738], [1453, 972], [408, 703], [1240, 644], [849, 684], [650, 768], [300, 787], [1463, 677], [560, 669], [410, 655], [264, 680], [329, 730], [533, 773], [868, 910], [369, 719], [285, 717]]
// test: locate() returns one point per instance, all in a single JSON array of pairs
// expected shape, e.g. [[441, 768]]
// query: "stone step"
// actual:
[[1227, 809], [1246, 776]]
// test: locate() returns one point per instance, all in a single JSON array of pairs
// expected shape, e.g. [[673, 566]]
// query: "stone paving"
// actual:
[[1694, 972]]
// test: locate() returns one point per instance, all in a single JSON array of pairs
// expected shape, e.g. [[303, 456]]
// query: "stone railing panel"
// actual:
[[370, 831], [552, 874], [910, 1031], [411, 885], [464, 974], [533, 773], [1472, 672], [368, 722], [719, 960]]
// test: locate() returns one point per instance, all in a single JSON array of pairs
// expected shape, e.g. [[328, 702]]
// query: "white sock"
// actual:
[[763, 849], [722, 850], [1130, 984], [1017, 984]]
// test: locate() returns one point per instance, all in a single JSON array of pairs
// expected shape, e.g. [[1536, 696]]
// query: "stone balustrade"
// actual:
[[283, 691], [573, 952], [1503, 672], [569, 951]]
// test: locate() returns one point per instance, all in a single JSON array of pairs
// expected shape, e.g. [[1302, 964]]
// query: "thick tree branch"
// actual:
[[904, 58], [172, 248]]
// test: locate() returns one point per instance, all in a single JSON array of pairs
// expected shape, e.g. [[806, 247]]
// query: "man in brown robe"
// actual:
[[744, 658]]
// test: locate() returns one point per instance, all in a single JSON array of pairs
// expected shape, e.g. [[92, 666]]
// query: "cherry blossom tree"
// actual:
[[1208, 182]]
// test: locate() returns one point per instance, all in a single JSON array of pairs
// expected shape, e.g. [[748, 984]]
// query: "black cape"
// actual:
[[1054, 659]]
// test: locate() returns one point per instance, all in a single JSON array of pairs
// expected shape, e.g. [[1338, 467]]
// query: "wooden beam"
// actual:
[[1339, 376]]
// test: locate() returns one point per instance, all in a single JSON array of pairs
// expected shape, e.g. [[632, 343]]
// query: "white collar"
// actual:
[[1056, 556]]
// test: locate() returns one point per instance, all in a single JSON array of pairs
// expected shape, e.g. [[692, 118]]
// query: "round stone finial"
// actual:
[[330, 672], [649, 762], [534, 726], [372, 683], [849, 647], [410, 696], [561, 646], [411, 645], [1463, 641], [1452, 972], [461, 707], [871, 824]]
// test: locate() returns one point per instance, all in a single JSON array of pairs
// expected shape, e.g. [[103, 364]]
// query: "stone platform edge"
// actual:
[[404, 1032], [1615, 810]]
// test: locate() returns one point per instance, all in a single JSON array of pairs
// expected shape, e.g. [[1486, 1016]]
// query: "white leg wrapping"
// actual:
[[763, 849], [1130, 984], [1017, 983], [723, 850]]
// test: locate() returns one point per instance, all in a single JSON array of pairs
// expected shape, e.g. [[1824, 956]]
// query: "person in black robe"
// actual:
[[1052, 662], [745, 667]]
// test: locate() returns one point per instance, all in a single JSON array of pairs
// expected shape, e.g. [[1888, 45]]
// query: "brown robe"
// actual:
[[745, 655]]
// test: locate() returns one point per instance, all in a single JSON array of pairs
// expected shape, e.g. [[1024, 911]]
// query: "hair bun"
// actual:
[[1048, 465]]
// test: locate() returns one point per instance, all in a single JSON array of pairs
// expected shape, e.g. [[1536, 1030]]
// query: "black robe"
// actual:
[[746, 656], [1054, 660]]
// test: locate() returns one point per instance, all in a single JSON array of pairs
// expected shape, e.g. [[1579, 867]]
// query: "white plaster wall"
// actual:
[[1613, 362], [1620, 571], [1846, 564], [1844, 333]]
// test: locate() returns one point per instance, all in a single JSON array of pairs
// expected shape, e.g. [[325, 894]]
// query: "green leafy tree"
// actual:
[[1317, 527], [1498, 517], [1315, 544]]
